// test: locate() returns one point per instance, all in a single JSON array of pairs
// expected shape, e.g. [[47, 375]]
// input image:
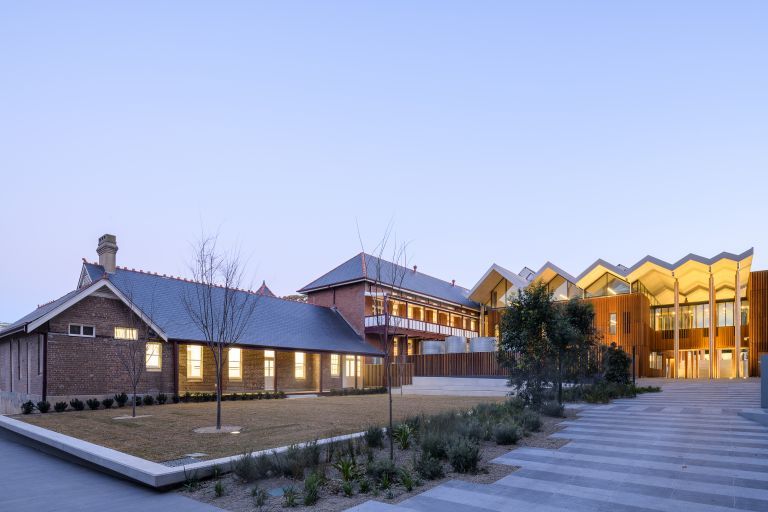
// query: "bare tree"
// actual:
[[385, 281], [217, 305], [136, 347]]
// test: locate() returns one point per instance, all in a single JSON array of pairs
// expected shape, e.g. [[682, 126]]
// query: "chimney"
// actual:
[[414, 269], [107, 250], [453, 282]]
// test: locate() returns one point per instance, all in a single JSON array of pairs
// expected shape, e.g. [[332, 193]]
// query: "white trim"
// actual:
[[81, 335], [85, 292]]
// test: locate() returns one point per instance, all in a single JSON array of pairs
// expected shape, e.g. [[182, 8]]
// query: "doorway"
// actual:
[[269, 370]]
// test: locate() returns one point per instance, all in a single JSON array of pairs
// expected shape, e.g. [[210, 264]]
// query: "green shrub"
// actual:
[[121, 399], [148, 400], [27, 407], [289, 497], [433, 443], [365, 486], [347, 489], [251, 467], [218, 489], [552, 409], [516, 404], [311, 453], [403, 436], [406, 478], [107, 403], [347, 468], [428, 467], [77, 404], [93, 403], [60, 406], [260, 497], [176, 399], [43, 406], [464, 455], [312, 489], [646, 389], [507, 433], [616, 365], [530, 420], [374, 437], [162, 398], [382, 468]]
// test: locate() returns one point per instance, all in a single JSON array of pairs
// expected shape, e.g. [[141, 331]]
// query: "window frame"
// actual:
[[239, 375], [190, 349], [82, 327], [127, 330], [613, 323], [159, 366], [299, 365], [335, 365]]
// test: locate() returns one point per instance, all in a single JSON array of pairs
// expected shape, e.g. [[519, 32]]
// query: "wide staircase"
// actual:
[[684, 449], [457, 386]]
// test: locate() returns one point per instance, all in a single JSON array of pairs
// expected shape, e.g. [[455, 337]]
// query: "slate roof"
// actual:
[[34, 315], [275, 323], [363, 266]]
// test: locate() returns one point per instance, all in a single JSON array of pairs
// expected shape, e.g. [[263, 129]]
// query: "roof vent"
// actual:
[[107, 251]]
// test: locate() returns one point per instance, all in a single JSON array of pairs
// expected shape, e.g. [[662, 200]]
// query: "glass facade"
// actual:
[[696, 316], [608, 284]]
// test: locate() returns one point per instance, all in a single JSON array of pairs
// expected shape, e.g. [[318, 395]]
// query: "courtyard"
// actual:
[[167, 432]]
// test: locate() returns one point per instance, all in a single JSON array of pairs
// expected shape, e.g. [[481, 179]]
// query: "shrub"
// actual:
[[382, 468], [365, 486], [121, 399], [506, 433], [312, 489], [646, 389], [552, 409], [259, 497], [311, 453], [219, 489], [93, 403], [176, 399], [43, 406], [516, 403], [374, 437], [77, 404], [347, 468], [60, 406], [464, 455], [428, 467], [406, 478], [27, 407], [616, 364], [137, 399], [107, 403], [530, 420], [289, 496], [186, 397], [162, 398], [250, 467], [433, 444], [347, 489], [148, 400], [403, 436]]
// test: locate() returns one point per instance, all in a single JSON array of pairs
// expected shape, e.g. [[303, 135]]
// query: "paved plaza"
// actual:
[[685, 449]]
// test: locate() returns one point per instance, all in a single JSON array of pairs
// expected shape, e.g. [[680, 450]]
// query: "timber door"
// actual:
[[349, 372], [269, 370]]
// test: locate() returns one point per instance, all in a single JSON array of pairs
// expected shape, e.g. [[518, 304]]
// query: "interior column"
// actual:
[[737, 322], [712, 313], [677, 329]]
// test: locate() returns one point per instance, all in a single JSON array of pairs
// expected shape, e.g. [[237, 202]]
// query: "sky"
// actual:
[[483, 132]]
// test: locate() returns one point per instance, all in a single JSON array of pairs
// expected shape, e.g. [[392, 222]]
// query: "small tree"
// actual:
[[216, 305], [544, 342], [616, 365], [385, 280]]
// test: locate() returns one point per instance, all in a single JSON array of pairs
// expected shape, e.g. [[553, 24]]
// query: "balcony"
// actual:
[[409, 324]]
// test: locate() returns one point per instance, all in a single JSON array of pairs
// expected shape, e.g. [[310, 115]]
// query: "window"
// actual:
[[194, 362], [654, 361], [234, 361], [612, 324], [269, 367], [607, 284], [153, 357], [349, 366], [396, 346], [126, 333], [300, 371], [359, 366], [82, 330], [410, 347], [335, 365], [725, 314]]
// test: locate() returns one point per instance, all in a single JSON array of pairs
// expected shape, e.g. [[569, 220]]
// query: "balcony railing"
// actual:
[[418, 325]]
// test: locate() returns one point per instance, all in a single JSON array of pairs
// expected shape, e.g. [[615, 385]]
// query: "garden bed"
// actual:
[[261, 483]]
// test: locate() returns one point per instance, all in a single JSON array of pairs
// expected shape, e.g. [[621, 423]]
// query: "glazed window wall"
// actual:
[[562, 289], [696, 316], [608, 284]]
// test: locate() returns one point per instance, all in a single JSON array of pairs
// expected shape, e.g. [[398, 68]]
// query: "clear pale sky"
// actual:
[[487, 131]]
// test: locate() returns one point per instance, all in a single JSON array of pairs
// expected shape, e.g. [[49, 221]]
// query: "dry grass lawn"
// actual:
[[168, 433]]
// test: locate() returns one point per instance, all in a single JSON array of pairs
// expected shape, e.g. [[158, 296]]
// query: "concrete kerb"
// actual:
[[130, 467]]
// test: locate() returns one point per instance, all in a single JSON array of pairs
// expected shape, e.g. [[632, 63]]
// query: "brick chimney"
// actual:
[[107, 251]]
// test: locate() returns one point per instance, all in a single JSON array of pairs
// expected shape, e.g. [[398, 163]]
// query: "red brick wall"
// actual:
[[349, 300], [85, 367]]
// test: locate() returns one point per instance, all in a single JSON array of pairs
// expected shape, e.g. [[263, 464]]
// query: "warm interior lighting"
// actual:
[[610, 290]]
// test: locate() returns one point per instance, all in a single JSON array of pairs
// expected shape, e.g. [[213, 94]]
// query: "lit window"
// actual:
[[612, 324], [194, 362], [335, 365], [396, 347], [153, 358], [300, 366], [410, 347], [269, 367], [359, 365], [235, 364], [349, 366], [269, 354], [126, 333], [82, 330]]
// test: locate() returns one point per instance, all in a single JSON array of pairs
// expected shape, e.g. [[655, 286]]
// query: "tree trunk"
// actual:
[[133, 405], [560, 379]]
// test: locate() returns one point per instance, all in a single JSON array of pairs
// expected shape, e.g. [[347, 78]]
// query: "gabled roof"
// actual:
[[264, 290], [363, 267], [275, 323], [598, 269], [38, 313], [491, 278], [549, 270]]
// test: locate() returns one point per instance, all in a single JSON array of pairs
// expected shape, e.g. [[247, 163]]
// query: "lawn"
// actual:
[[168, 433]]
